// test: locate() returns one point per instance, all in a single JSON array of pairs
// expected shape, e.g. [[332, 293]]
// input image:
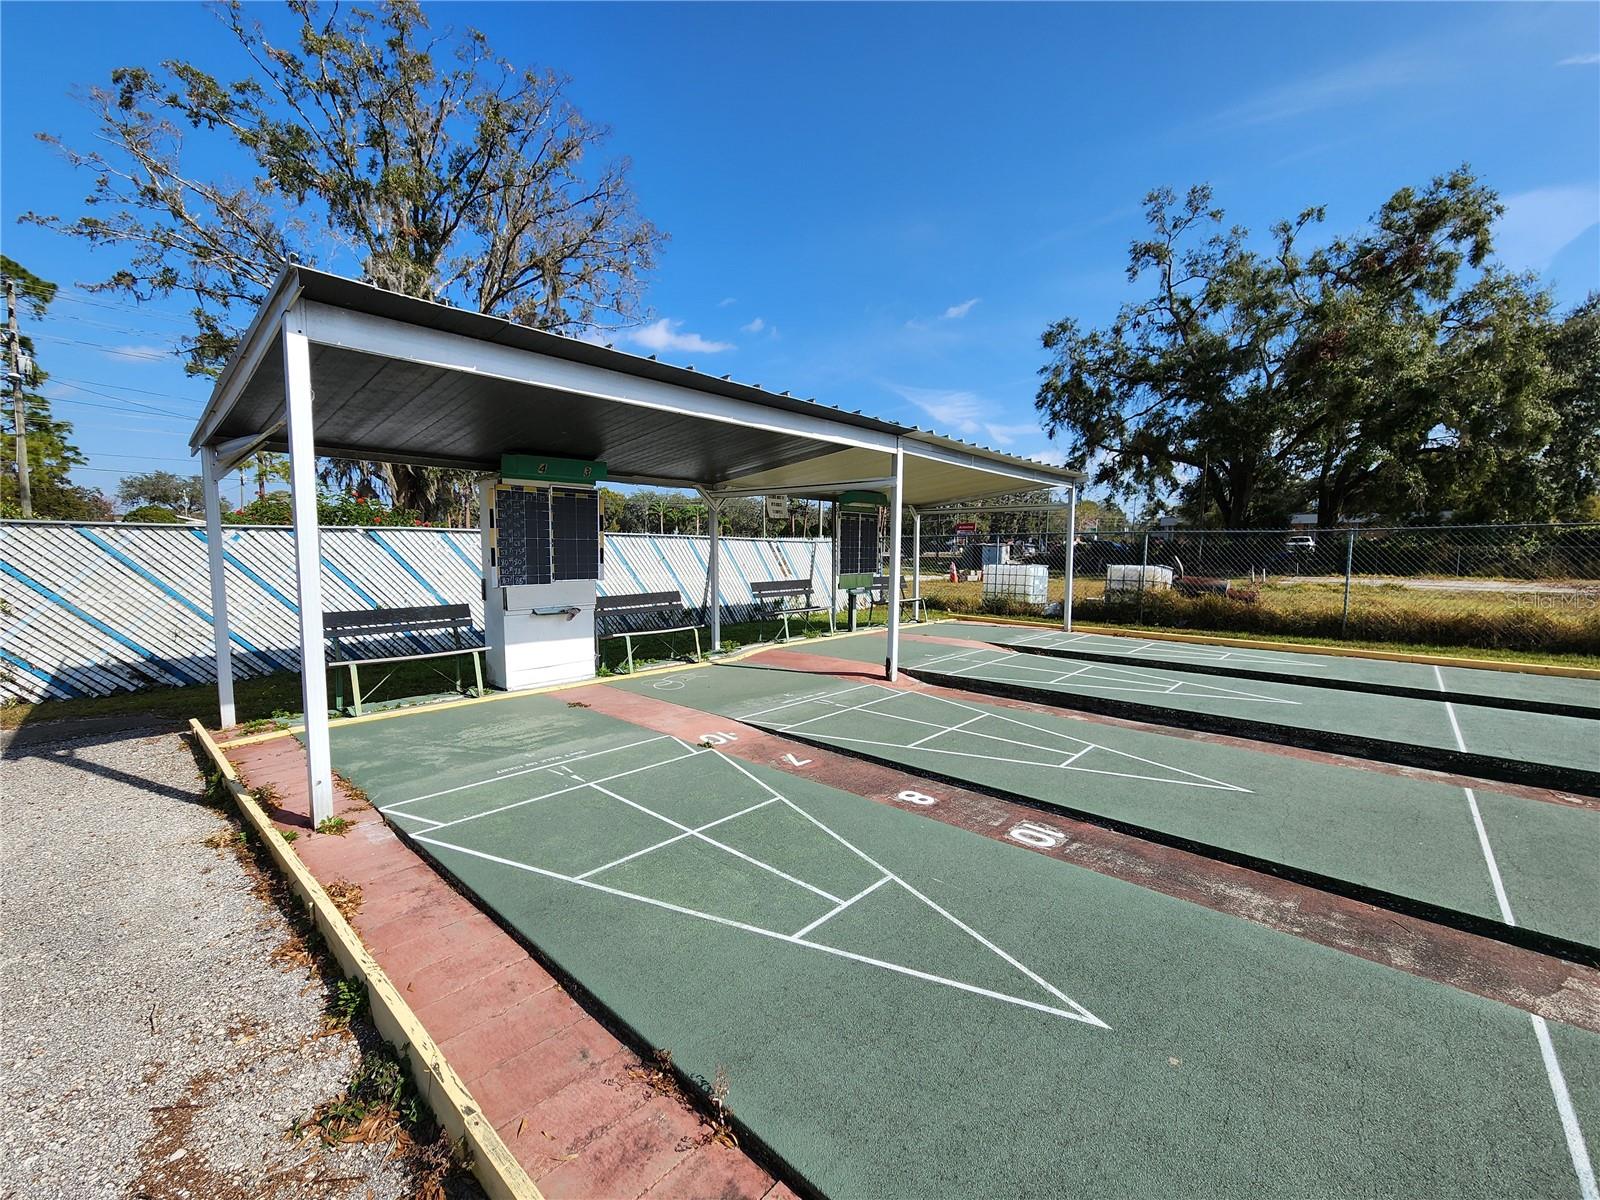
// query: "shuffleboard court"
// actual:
[[1569, 696], [890, 1018], [1409, 838], [1519, 747]]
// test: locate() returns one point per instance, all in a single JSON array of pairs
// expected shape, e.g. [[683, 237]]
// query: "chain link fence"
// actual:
[[1511, 587]]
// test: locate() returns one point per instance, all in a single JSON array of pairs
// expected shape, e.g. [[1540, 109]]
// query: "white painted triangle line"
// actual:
[[1076, 1013]]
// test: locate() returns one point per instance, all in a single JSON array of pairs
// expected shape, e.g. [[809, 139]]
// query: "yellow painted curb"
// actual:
[[1427, 660], [494, 1166]]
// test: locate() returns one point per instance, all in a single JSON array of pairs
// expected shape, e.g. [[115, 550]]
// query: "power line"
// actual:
[[122, 387], [139, 457], [125, 306], [121, 351], [119, 408]]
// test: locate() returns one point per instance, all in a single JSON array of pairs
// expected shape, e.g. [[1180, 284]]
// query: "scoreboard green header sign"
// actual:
[[543, 468]]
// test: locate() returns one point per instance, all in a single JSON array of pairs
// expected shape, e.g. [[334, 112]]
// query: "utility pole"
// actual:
[[19, 406]]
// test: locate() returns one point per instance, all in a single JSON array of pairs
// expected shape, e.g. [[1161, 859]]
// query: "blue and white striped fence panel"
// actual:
[[95, 609]]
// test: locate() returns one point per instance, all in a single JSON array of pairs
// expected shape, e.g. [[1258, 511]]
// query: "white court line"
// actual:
[[928, 662], [802, 700], [577, 787], [1081, 1014], [1194, 781], [942, 732], [839, 710], [1123, 680], [1581, 1165], [671, 840], [1085, 1014], [754, 862], [941, 727], [1577, 1149], [1203, 780], [843, 904], [428, 821], [524, 771], [1149, 762]]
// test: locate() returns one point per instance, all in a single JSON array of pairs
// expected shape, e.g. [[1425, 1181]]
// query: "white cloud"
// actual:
[[1347, 84], [1538, 224], [666, 334], [965, 413], [1580, 60], [956, 311], [755, 326], [727, 300]]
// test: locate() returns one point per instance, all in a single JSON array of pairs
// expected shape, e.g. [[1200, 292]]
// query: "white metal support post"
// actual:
[[308, 565], [714, 571], [219, 586], [916, 566], [1072, 541], [891, 664]]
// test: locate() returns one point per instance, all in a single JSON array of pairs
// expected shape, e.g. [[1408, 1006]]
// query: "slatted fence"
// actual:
[[95, 609]]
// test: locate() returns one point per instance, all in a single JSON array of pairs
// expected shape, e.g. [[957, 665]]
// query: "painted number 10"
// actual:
[[1040, 837]]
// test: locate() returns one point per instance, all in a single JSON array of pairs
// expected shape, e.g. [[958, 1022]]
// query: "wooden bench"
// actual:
[[359, 624], [781, 599], [635, 612]]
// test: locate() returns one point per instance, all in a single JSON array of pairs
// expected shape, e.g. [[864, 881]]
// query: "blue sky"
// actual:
[[883, 206]]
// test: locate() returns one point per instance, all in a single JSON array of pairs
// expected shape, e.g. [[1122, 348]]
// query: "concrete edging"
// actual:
[[492, 1164]]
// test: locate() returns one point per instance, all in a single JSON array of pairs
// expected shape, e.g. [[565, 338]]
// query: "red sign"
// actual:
[[966, 527]]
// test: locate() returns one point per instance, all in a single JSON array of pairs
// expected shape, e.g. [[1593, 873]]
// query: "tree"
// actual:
[[51, 452], [152, 514], [1571, 462], [184, 494], [265, 466], [1396, 373], [446, 172]]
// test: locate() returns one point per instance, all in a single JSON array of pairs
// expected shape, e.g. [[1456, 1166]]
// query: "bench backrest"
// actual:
[[780, 589], [640, 604], [378, 622]]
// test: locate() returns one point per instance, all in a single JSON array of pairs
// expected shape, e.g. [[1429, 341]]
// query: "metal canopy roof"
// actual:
[[407, 380]]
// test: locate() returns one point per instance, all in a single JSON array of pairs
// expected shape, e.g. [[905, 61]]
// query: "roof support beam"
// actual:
[[308, 570], [819, 489], [259, 340], [231, 453], [210, 477], [369, 334], [950, 456], [891, 662]]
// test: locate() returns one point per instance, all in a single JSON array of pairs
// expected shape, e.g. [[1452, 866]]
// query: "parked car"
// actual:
[[1300, 543]]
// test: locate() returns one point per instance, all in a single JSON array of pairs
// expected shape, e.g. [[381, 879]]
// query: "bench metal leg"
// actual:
[[355, 687], [627, 640], [477, 670], [696, 633]]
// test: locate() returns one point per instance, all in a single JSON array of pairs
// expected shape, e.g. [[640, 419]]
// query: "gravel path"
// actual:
[[159, 1024]]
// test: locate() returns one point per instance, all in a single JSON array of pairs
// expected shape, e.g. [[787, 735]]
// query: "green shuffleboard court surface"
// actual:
[[1326, 669], [1412, 838], [1570, 743], [900, 1007]]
